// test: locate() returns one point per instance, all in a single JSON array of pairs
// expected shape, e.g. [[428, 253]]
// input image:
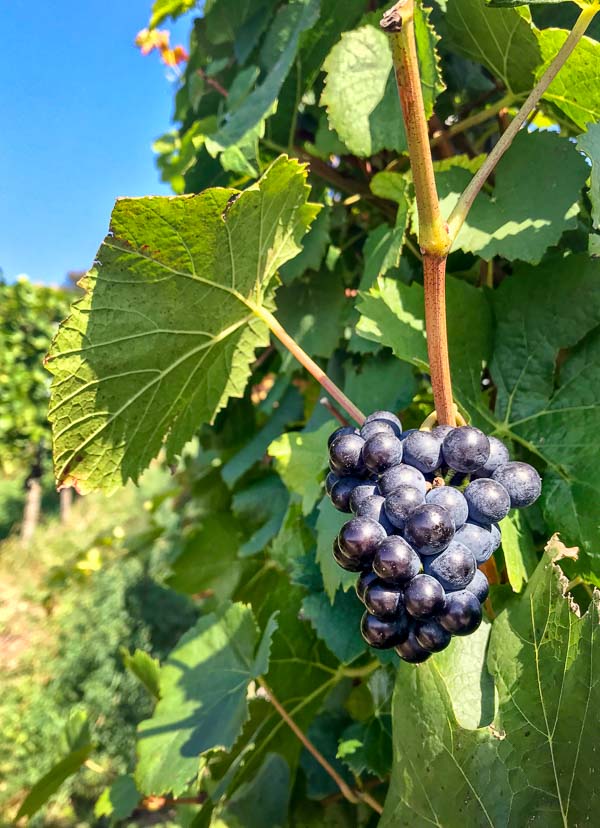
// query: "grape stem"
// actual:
[[351, 794], [465, 202]]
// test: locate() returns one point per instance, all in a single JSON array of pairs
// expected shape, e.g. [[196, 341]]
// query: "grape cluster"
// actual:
[[426, 507]]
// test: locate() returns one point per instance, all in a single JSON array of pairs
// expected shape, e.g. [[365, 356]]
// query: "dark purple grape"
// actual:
[[488, 500], [429, 529], [345, 455], [330, 481], [462, 614], [401, 475], [343, 560], [381, 452], [424, 597], [479, 586], [339, 432], [481, 540], [498, 457], [423, 451], [396, 561], [373, 507], [365, 579], [384, 600], [369, 430], [341, 491], [407, 433], [400, 505], [360, 493], [441, 431], [411, 651], [521, 481], [452, 500], [431, 636], [383, 635], [454, 568], [359, 539], [388, 417], [466, 449]]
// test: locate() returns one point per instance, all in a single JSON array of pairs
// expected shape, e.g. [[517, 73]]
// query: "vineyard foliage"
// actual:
[[295, 201]]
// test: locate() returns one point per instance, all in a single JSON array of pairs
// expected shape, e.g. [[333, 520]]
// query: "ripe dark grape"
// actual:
[[330, 481], [396, 561], [401, 475], [369, 430], [349, 564], [387, 417], [359, 538], [498, 457], [479, 586], [381, 452], [424, 597], [429, 529], [423, 451], [466, 449], [441, 431], [452, 500], [521, 481], [341, 492], [479, 539], [339, 432], [488, 500], [365, 579], [400, 504], [345, 455], [410, 650], [384, 600], [454, 568], [361, 492], [373, 507], [383, 635], [431, 636], [462, 613]]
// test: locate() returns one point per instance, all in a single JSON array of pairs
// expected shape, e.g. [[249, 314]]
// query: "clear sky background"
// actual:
[[80, 108]]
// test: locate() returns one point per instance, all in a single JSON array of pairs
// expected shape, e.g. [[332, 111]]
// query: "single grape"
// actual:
[[374, 427], [365, 579], [479, 539], [424, 597], [360, 493], [498, 457], [454, 568], [411, 651], [381, 452], [521, 481], [423, 451], [373, 507], [462, 614], [466, 449], [330, 481], [384, 600], [452, 500], [407, 433], [441, 431], [343, 560], [488, 500], [431, 636], [479, 586], [401, 475], [359, 539], [345, 455], [339, 432], [429, 529], [396, 561], [388, 417], [383, 635], [341, 491], [400, 504]]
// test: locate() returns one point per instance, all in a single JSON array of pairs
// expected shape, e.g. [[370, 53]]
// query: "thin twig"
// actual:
[[473, 120], [333, 411]]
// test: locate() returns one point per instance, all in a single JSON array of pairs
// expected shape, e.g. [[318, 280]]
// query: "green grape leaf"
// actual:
[[337, 624], [575, 91], [313, 249], [360, 91], [325, 733], [50, 782], [329, 523], [381, 383], [261, 801], [203, 697], [518, 548], [261, 508], [145, 668], [300, 458], [589, 143], [537, 760], [161, 9], [167, 330], [519, 220], [119, 800], [383, 246], [367, 744], [502, 40]]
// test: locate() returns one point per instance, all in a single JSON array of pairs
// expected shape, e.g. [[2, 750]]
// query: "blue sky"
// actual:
[[80, 109]]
